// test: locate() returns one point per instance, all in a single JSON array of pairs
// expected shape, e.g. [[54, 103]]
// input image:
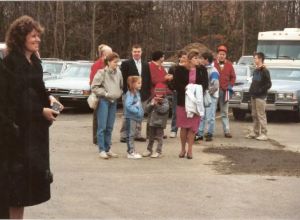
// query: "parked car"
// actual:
[[72, 88], [284, 94], [246, 60], [243, 73], [2, 50], [52, 68], [167, 65]]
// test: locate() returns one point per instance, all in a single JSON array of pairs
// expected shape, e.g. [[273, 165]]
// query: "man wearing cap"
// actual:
[[226, 80]]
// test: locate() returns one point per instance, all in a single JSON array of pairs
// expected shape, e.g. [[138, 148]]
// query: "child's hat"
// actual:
[[160, 89]]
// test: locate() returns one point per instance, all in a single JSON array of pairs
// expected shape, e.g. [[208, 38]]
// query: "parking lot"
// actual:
[[227, 179]]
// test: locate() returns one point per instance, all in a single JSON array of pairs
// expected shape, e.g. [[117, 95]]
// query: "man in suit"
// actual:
[[136, 67]]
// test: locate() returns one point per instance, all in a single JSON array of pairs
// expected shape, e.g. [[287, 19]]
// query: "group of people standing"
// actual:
[[26, 110], [145, 88]]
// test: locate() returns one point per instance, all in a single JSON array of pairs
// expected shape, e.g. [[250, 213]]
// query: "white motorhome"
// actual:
[[280, 47]]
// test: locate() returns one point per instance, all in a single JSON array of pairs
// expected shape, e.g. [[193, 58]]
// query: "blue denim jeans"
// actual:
[[209, 118], [174, 104], [224, 111], [106, 115], [131, 126]]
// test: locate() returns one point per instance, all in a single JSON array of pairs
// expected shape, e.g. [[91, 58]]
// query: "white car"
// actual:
[[72, 88], [243, 73]]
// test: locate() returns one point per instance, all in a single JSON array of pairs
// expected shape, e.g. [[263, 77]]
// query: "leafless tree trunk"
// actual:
[[93, 40], [244, 29]]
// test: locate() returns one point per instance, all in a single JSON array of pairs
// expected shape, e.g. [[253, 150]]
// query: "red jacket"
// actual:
[[227, 74], [157, 75], [99, 64]]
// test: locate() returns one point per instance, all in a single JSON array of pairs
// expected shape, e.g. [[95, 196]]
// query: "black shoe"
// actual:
[[198, 138], [165, 137], [140, 139], [209, 137], [189, 156], [123, 140], [228, 135]]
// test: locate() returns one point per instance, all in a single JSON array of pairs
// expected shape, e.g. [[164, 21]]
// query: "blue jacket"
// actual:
[[133, 106]]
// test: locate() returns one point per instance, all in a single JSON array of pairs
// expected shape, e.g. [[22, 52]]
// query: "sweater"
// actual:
[[157, 76], [133, 106], [227, 74], [99, 64], [108, 84], [261, 83], [181, 80]]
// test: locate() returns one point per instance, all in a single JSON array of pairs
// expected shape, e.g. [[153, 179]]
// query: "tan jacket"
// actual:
[[108, 84]]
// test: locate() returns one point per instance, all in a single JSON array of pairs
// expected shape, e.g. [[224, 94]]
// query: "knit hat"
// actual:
[[222, 48], [160, 89]]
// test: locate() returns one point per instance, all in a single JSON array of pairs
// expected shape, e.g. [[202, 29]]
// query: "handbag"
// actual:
[[206, 99], [93, 101]]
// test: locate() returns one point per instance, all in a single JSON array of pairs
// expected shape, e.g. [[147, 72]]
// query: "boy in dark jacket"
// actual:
[[261, 83], [158, 110]]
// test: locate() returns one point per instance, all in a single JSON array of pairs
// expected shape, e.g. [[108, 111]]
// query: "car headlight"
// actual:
[[237, 95], [76, 92], [286, 96]]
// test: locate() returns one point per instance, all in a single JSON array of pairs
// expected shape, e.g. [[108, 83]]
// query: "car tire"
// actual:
[[297, 115], [238, 114]]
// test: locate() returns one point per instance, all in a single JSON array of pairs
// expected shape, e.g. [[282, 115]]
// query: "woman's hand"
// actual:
[[50, 114], [53, 99], [169, 77]]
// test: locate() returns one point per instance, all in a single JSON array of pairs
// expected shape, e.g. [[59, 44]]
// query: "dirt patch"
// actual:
[[256, 161]]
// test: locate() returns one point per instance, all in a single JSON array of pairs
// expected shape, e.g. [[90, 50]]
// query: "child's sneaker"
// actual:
[[173, 134], [155, 155], [103, 155], [262, 137], [111, 154], [147, 153], [134, 156]]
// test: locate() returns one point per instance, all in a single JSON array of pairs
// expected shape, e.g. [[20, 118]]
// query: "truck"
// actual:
[[280, 47]]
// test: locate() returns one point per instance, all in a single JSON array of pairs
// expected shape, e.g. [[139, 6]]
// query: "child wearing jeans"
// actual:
[[158, 110], [134, 113]]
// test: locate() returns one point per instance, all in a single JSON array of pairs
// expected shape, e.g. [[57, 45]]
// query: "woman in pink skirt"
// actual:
[[191, 73]]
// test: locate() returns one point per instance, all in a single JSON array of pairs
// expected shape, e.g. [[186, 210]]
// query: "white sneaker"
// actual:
[[262, 137], [251, 135], [103, 155], [112, 154], [155, 155], [173, 134], [146, 154], [134, 156]]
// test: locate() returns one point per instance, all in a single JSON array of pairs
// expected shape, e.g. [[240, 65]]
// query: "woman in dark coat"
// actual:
[[191, 73], [29, 170], [7, 131]]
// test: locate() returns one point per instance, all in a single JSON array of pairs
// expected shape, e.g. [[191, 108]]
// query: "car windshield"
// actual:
[[280, 49], [285, 74], [240, 70], [52, 68], [79, 71], [246, 60]]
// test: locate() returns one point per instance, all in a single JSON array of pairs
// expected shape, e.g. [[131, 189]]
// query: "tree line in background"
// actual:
[[73, 30]]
